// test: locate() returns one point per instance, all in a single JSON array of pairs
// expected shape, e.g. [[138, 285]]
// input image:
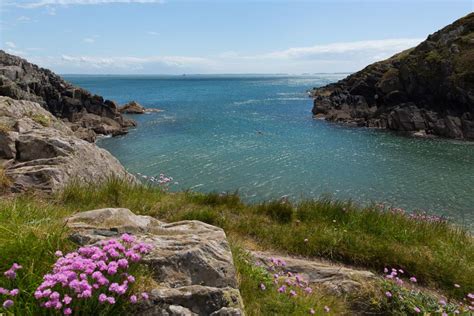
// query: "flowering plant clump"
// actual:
[[99, 275], [287, 283], [161, 180], [419, 216], [7, 296], [406, 297]]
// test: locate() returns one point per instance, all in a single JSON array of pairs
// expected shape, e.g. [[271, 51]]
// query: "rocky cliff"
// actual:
[[86, 114], [429, 89], [39, 152]]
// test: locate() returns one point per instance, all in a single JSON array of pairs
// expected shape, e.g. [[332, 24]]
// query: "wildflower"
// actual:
[[388, 294], [282, 289], [58, 253], [457, 285], [471, 296], [111, 300], [292, 293], [385, 270], [145, 296], [308, 290], [263, 287], [14, 292], [102, 298], [306, 240], [67, 311], [67, 299], [327, 309], [3, 291], [7, 304], [413, 279], [417, 310], [312, 312], [133, 299], [401, 271], [442, 302]]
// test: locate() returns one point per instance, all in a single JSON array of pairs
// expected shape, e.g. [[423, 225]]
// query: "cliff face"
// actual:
[[86, 114], [428, 88], [38, 152]]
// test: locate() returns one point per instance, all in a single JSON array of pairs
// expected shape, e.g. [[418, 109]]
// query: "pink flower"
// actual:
[[3, 291], [457, 285], [413, 279], [263, 287], [282, 289], [471, 296], [145, 296], [58, 253], [7, 304], [67, 311], [133, 299], [111, 300], [327, 309], [14, 292], [385, 270], [312, 312], [442, 302], [308, 290], [102, 298], [388, 294], [67, 299], [417, 310], [292, 293]]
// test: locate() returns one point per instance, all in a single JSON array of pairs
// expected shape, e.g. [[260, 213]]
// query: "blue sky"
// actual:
[[220, 36]]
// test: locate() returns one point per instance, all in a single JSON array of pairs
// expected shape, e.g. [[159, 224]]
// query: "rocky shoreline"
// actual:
[[427, 90]]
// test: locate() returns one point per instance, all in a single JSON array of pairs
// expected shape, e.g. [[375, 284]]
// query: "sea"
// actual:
[[255, 135]]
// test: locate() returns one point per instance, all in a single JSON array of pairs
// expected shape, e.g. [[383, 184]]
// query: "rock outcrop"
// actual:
[[429, 88], [335, 278], [191, 261], [87, 114], [132, 107], [39, 152]]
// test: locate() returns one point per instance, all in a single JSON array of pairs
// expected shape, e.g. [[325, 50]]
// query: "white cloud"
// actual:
[[335, 57], [88, 40], [10, 44], [23, 19], [31, 4], [153, 33]]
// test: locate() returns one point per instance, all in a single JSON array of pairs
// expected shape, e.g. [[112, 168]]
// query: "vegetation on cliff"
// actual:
[[428, 88], [437, 253]]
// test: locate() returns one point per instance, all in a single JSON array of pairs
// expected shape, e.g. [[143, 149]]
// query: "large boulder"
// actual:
[[191, 261], [428, 89], [22, 80], [132, 107], [41, 153]]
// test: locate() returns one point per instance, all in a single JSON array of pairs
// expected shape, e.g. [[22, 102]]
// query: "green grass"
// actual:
[[438, 254]]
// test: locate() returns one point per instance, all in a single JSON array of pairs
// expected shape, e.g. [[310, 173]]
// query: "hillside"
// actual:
[[429, 88]]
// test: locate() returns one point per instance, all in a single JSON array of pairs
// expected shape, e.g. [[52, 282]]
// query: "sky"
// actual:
[[217, 36]]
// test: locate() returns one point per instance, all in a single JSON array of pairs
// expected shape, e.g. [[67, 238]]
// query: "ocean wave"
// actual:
[[254, 101]]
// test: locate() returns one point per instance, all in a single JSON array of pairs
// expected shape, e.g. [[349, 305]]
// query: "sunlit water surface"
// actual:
[[255, 134]]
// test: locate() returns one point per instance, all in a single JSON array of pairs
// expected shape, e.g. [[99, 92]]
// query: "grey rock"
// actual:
[[191, 261], [45, 155], [337, 279]]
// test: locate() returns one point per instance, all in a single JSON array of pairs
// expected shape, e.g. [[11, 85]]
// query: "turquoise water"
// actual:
[[255, 134]]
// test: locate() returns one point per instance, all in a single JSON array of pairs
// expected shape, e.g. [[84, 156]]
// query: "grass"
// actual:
[[40, 119], [438, 254]]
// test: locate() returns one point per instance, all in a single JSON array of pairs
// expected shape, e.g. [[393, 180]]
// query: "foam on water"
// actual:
[[255, 134]]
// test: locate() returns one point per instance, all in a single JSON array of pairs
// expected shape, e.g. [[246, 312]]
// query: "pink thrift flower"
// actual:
[[145, 296], [133, 299], [3, 291], [7, 304], [417, 310], [263, 287], [58, 253], [67, 311], [442, 302], [388, 294], [14, 292], [292, 293], [308, 290], [102, 298], [327, 309], [67, 299], [282, 289], [312, 312], [385, 270], [10, 274], [413, 279], [471, 296], [131, 278], [111, 300]]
